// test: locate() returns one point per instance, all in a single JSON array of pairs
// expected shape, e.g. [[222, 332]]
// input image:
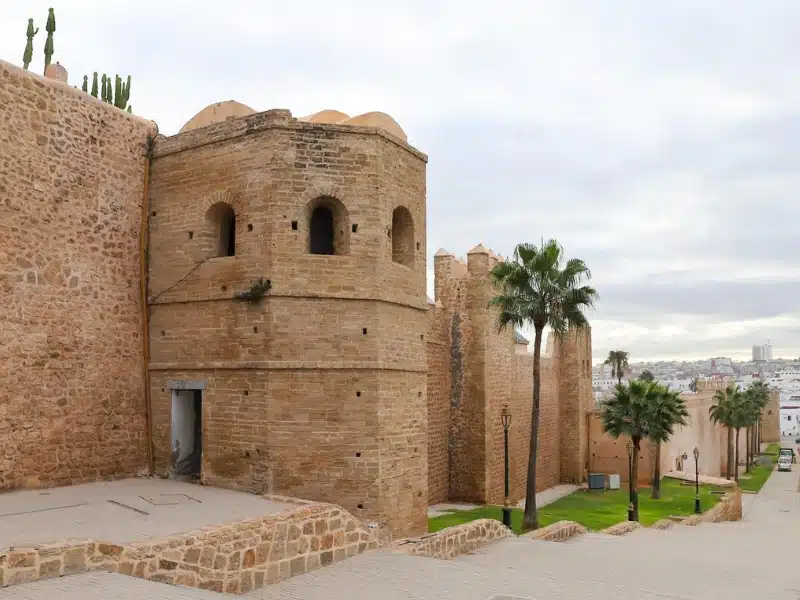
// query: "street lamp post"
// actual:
[[631, 499], [696, 453], [505, 418]]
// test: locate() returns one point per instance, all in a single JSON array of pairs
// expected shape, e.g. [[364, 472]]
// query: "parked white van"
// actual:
[[784, 463]]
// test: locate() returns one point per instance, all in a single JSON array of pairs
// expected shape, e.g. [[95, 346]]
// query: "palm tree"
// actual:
[[647, 375], [668, 412], [629, 412], [756, 397], [742, 415], [724, 412], [618, 359], [761, 391], [539, 288]]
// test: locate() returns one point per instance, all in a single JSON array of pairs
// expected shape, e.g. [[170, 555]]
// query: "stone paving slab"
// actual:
[[388, 576], [122, 511], [104, 586]]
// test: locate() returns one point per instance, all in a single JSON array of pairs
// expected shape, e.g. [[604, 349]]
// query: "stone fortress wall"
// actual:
[[72, 401], [474, 371], [318, 391], [341, 385]]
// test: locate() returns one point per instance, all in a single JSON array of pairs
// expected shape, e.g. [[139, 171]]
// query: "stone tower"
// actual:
[[318, 390]]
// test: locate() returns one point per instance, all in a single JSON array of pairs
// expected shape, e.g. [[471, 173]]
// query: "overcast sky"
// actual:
[[658, 140]]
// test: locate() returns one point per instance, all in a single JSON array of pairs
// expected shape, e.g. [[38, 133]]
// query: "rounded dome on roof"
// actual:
[[379, 120], [217, 113], [325, 116]]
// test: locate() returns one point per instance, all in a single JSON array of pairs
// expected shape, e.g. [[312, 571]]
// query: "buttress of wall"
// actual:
[[473, 371], [576, 401], [770, 419], [319, 389], [438, 380], [71, 353], [462, 369]]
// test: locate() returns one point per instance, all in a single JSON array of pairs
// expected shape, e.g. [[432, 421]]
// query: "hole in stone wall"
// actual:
[[419, 494], [163, 332], [419, 394], [246, 393], [321, 231], [355, 227], [294, 225], [249, 227], [364, 331], [222, 221], [153, 214], [422, 336], [358, 394], [224, 288], [360, 506], [402, 236], [417, 245], [255, 329], [191, 235], [358, 454]]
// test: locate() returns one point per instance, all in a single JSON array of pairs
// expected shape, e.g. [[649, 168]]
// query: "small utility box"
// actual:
[[613, 481], [597, 481]]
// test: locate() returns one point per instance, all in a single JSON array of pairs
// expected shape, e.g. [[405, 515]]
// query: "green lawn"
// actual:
[[774, 448], [596, 510], [756, 478]]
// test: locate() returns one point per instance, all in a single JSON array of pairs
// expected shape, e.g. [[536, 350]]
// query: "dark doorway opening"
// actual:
[[187, 435]]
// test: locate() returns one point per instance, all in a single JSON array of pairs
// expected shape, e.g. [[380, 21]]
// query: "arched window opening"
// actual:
[[322, 231], [402, 237], [328, 227], [223, 229]]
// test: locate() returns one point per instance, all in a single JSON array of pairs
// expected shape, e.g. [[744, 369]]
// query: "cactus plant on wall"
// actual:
[[27, 56], [48, 44], [117, 93]]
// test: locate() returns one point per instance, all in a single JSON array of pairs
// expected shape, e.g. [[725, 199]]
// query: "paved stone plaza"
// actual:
[[709, 561], [129, 510], [733, 560]]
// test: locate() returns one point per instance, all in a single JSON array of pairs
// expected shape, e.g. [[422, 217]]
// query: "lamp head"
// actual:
[[696, 452], [505, 418]]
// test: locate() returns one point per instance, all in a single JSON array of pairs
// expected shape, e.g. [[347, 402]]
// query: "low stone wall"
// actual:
[[558, 532], [622, 528], [232, 558], [729, 508], [663, 524], [455, 541]]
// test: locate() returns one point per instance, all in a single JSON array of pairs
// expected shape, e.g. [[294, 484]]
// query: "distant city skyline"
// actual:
[[741, 358]]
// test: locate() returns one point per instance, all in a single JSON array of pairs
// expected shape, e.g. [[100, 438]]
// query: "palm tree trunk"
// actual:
[[729, 470], [530, 519], [749, 449], [657, 474], [736, 461], [635, 478]]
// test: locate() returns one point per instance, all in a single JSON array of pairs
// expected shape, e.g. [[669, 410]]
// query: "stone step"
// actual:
[[593, 538]]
